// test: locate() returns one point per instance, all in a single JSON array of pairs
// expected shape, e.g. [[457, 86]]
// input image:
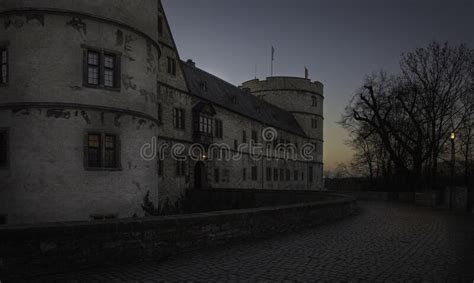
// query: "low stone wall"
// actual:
[[369, 195], [223, 199], [34, 249]]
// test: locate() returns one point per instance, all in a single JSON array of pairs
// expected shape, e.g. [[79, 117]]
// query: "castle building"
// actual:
[[86, 84]]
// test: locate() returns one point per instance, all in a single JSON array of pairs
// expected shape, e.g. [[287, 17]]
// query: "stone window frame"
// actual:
[[179, 118], [160, 165], [219, 128], [6, 132], [216, 175], [161, 29], [314, 123], [254, 173], [314, 101], [117, 69], [254, 135], [118, 150], [269, 174], [4, 48], [205, 124], [171, 66], [275, 174]]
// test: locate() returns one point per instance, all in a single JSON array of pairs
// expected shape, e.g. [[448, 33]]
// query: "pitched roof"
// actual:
[[215, 90]]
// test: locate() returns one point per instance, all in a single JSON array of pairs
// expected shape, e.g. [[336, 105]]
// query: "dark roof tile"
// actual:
[[222, 93]]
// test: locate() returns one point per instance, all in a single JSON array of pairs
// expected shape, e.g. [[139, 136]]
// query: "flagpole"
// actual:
[[272, 58], [271, 68]]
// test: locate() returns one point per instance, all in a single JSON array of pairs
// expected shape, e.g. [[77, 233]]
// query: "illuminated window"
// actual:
[[102, 151]]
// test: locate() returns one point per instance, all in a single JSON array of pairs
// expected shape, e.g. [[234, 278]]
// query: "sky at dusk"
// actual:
[[339, 41]]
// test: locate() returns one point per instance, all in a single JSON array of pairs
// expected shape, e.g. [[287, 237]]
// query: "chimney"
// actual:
[[191, 63]]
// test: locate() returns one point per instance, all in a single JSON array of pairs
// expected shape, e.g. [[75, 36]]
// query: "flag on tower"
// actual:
[[306, 73]]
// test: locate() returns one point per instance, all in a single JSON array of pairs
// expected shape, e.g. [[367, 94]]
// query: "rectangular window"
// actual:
[[244, 137], [269, 173], [310, 174], [101, 69], [288, 174], [159, 113], [296, 175], [180, 168], [216, 175], [314, 123], [160, 25], [244, 174], [178, 118], [282, 176], [219, 129], [314, 101], [236, 145], [254, 136], [93, 67], [205, 124], [160, 167], [254, 173], [3, 148], [109, 70], [4, 64], [110, 151], [171, 66], [275, 174], [102, 151]]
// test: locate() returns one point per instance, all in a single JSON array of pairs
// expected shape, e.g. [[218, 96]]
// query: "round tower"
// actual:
[[301, 97], [77, 101]]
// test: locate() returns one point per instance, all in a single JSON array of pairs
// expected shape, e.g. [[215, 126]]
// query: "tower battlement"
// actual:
[[284, 84]]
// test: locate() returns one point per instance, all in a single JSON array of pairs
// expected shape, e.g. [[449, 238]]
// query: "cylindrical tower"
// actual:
[[304, 99], [77, 101]]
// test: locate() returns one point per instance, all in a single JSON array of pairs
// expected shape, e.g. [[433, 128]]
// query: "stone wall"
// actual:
[[61, 246]]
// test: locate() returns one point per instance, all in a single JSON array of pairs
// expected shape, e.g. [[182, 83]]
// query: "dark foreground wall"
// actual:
[[29, 250]]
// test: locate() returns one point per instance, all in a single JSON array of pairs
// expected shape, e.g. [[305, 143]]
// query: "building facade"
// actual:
[[86, 84]]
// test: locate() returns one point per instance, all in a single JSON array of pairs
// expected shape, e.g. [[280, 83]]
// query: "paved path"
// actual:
[[384, 242]]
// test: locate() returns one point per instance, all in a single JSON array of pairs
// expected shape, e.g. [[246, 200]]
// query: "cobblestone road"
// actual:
[[384, 242]]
